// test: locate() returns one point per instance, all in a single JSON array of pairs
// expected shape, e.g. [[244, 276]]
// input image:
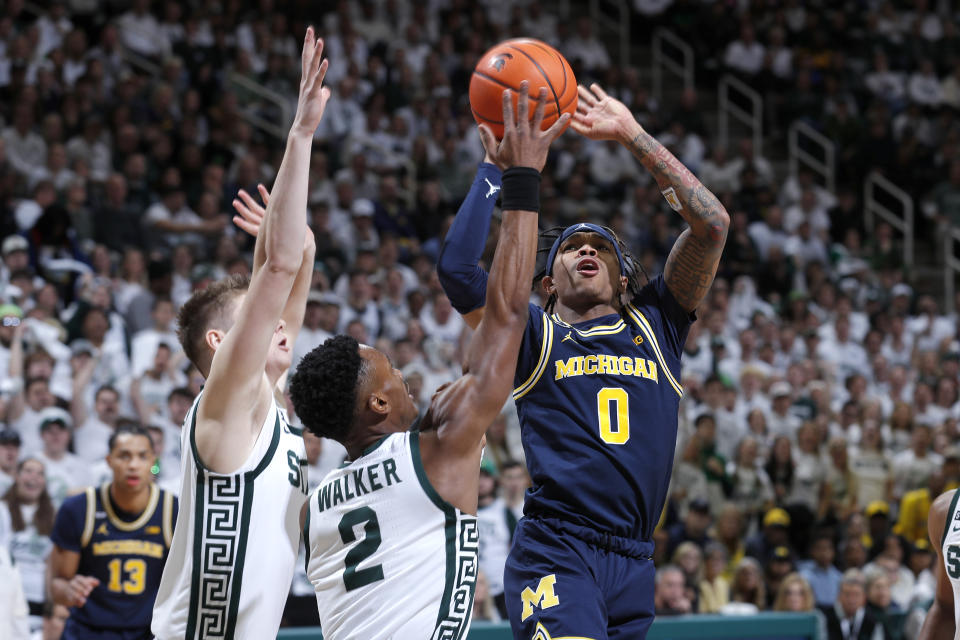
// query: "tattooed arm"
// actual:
[[692, 263]]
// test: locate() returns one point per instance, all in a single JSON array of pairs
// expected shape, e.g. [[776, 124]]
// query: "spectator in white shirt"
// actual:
[[24, 413], [360, 306], [90, 439], [610, 165], [439, 321], [319, 323], [585, 48], [924, 86], [720, 173], [150, 391], [92, 148], [141, 32], [810, 211], [928, 328], [14, 614], [540, 24], [884, 83], [745, 55], [913, 467], [805, 247], [143, 347], [65, 471], [847, 356], [110, 353], [174, 223], [768, 232], [780, 421], [26, 150]]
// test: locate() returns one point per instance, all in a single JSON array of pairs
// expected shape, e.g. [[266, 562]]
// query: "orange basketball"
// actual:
[[508, 64]]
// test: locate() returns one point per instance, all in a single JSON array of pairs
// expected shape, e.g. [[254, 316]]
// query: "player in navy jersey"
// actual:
[[597, 392], [110, 545]]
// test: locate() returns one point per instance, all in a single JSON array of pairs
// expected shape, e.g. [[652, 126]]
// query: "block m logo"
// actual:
[[543, 597]]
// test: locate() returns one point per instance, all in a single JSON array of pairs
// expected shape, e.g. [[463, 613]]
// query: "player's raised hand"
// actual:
[[313, 95], [600, 117], [250, 214], [79, 589], [523, 144]]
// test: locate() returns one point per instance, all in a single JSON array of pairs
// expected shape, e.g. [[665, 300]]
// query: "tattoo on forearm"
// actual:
[[693, 261], [700, 206], [690, 268]]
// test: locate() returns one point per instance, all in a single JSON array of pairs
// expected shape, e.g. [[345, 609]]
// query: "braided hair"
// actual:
[[632, 267]]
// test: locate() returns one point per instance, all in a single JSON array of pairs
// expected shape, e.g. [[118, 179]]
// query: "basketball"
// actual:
[[508, 64]]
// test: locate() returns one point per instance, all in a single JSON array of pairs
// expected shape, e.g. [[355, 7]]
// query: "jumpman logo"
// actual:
[[493, 188], [569, 336]]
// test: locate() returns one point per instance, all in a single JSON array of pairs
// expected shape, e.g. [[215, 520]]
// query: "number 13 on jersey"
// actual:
[[613, 414]]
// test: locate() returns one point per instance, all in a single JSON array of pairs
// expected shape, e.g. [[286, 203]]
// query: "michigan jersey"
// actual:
[[125, 552], [387, 556], [598, 403], [950, 550], [236, 540]]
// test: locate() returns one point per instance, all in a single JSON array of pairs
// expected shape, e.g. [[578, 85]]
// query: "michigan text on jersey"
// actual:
[[602, 364], [128, 547]]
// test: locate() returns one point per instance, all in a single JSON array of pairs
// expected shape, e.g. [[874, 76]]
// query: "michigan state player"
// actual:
[[392, 536], [110, 544], [597, 393], [943, 525], [242, 484]]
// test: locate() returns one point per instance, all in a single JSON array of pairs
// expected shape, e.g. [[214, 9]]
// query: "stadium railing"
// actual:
[[878, 192], [763, 626], [731, 94], [801, 137], [664, 46], [620, 24], [952, 268]]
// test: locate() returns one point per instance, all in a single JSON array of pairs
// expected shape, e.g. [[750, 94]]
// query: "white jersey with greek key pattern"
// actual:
[[236, 540], [387, 556], [950, 550]]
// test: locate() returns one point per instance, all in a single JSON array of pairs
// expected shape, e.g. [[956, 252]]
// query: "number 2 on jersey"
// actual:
[[617, 397], [352, 577]]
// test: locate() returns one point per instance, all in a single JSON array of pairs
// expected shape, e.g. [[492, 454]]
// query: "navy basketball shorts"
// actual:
[[74, 630], [566, 581]]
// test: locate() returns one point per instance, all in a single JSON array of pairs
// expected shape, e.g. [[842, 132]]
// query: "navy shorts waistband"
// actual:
[[638, 549]]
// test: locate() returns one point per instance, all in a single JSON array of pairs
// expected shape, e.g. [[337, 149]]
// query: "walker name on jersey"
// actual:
[[128, 548], [602, 364], [357, 483]]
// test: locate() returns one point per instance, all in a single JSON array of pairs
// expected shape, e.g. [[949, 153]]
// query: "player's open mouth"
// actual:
[[283, 344], [588, 267]]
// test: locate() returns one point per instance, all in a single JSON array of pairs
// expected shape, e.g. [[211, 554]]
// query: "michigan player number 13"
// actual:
[[613, 414]]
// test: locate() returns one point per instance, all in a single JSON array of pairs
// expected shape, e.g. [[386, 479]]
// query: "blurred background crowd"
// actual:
[[821, 388]]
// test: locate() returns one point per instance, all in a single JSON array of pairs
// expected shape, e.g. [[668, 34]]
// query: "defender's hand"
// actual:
[[313, 95], [523, 144], [600, 117], [250, 214]]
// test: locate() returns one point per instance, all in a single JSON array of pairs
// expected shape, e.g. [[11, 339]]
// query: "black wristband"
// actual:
[[520, 189]]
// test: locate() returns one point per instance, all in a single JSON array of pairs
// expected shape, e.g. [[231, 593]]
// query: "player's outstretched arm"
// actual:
[[939, 623], [251, 218], [461, 276], [692, 263], [463, 411], [236, 386]]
